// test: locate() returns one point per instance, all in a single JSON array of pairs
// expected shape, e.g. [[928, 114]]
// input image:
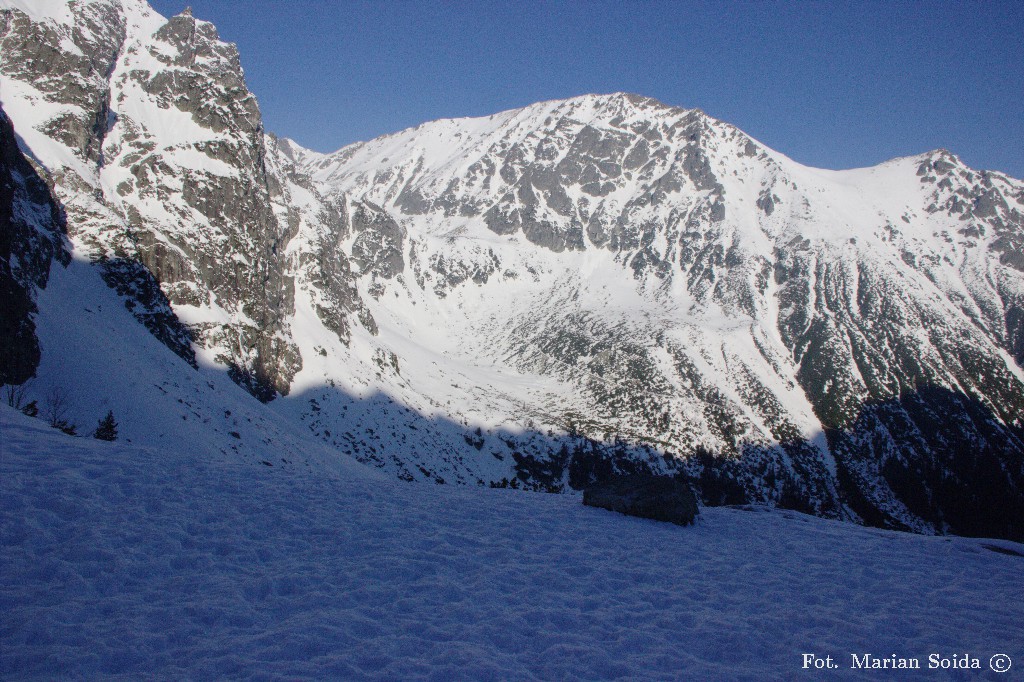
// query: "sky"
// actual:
[[833, 85]]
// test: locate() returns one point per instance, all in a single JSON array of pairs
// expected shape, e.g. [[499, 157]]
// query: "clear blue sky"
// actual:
[[835, 85]]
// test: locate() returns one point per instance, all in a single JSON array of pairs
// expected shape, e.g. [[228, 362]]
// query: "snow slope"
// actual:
[[98, 358], [122, 562]]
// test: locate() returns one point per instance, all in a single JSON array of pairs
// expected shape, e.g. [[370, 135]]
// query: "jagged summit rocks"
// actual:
[[603, 272]]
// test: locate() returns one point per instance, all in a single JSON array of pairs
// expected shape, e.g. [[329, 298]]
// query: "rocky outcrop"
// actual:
[[31, 237], [649, 497], [171, 194], [316, 258], [380, 241], [206, 228], [70, 65]]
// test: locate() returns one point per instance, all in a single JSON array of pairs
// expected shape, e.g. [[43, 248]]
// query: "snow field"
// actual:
[[122, 562]]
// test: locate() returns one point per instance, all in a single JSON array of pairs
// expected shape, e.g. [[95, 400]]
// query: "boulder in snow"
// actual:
[[651, 497]]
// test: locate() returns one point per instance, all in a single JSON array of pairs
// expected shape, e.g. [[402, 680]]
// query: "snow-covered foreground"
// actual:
[[121, 561]]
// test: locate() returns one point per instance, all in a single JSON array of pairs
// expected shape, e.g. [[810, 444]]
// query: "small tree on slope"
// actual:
[[107, 428], [55, 411]]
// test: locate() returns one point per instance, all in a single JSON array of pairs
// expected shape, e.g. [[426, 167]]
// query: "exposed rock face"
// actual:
[[205, 226], [548, 174], [317, 257], [148, 304], [781, 317], [605, 269], [68, 64], [168, 184], [31, 238], [379, 243]]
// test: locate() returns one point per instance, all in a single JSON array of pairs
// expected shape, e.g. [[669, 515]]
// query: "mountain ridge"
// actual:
[[605, 269], [312, 155]]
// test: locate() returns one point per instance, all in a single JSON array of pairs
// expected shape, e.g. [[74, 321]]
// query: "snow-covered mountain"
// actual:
[[536, 298], [156, 150], [857, 332]]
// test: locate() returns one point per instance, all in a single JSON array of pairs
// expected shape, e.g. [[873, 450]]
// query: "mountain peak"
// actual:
[[621, 97], [613, 106], [192, 27], [646, 267], [943, 154]]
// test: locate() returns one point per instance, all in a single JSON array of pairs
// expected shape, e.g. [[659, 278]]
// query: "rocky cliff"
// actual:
[[32, 231], [156, 149], [544, 296]]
